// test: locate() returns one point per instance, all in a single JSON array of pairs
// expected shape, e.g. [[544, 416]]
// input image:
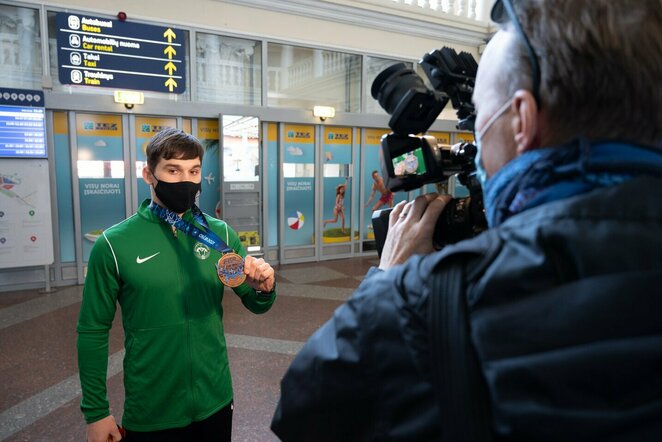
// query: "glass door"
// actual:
[[206, 130], [144, 128], [336, 192], [272, 178], [374, 194], [64, 236], [297, 194], [242, 190], [100, 171]]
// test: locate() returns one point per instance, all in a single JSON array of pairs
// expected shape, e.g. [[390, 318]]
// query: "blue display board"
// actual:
[[22, 124], [22, 127], [22, 132], [101, 52]]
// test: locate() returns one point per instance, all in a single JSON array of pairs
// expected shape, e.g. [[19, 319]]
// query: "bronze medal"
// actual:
[[230, 269]]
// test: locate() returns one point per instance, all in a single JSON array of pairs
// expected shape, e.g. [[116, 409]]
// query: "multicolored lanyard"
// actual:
[[230, 268]]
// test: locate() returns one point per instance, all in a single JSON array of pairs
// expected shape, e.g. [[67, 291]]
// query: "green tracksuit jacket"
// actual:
[[176, 364]]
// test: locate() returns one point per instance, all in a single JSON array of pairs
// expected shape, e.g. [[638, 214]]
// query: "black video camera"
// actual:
[[410, 161]]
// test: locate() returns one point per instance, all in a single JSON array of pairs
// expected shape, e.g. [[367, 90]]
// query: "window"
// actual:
[[303, 77], [20, 48], [229, 70], [374, 66]]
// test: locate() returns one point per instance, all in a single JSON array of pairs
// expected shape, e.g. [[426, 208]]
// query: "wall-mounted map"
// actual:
[[26, 233]]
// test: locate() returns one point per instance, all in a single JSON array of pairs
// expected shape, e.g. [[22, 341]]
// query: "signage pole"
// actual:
[[48, 288]]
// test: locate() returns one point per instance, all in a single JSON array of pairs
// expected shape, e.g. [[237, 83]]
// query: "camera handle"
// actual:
[[462, 218]]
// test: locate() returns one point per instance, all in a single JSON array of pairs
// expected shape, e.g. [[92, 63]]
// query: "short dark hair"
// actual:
[[172, 143]]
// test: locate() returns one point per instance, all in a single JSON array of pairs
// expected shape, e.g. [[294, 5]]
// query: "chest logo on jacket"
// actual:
[[201, 251], [140, 260]]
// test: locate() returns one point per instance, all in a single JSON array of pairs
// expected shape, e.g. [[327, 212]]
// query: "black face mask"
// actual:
[[178, 197]]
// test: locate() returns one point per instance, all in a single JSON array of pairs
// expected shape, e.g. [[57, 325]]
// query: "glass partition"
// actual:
[[229, 70], [241, 150], [374, 65], [242, 192], [64, 192], [20, 48], [303, 77]]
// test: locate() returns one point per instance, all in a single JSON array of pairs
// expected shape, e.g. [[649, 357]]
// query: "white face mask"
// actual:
[[481, 173]]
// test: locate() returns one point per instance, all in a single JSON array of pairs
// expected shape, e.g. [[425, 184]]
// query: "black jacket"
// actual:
[[565, 311]]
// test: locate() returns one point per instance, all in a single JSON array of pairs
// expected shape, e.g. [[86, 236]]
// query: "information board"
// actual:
[[26, 231], [102, 52], [22, 124], [22, 132]]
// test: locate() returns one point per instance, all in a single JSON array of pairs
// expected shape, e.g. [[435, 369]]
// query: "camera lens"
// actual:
[[403, 95], [391, 85]]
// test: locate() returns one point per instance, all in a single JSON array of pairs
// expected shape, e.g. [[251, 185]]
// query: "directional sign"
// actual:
[[122, 55]]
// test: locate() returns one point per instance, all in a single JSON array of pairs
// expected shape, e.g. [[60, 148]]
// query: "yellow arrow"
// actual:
[[170, 67], [169, 51], [170, 35], [171, 84]]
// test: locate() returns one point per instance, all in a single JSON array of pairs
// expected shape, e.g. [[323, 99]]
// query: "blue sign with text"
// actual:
[[22, 124], [102, 52]]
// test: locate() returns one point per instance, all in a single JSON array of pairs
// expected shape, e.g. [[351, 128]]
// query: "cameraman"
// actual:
[[561, 297]]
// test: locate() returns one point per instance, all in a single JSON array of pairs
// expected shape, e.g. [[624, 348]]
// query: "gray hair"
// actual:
[[600, 63]]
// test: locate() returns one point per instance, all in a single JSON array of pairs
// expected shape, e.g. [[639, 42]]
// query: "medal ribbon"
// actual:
[[230, 268], [204, 235]]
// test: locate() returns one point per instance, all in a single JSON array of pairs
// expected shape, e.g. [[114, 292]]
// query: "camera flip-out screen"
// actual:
[[411, 163]]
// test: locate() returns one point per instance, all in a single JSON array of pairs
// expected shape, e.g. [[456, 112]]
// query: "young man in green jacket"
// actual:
[[165, 266]]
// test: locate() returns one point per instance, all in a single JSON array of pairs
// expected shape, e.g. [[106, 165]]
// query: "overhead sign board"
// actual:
[[102, 52]]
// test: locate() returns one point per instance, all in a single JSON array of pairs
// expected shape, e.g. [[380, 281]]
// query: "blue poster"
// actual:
[[337, 190], [97, 148], [300, 211], [100, 175], [210, 196], [299, 153], [299, 185], [374, 182], [101, 206], [146, 128], [337, 209]]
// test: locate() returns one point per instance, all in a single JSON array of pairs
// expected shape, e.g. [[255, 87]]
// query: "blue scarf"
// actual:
[[548, 174]]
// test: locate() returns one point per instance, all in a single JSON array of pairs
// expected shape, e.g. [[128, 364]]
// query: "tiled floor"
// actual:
[[40, 390]]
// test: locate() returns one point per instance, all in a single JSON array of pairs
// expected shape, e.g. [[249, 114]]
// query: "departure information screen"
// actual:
[[22, 132]]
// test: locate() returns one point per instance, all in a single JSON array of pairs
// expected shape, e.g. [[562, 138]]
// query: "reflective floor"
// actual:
[[40, 393]]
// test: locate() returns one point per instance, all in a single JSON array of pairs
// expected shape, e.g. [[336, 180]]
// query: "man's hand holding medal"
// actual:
[[231, 268], [233, 271], [259, 274]]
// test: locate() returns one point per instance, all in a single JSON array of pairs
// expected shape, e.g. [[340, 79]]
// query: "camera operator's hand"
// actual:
[[411, 227]]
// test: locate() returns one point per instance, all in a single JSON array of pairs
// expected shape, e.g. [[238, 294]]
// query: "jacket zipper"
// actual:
[[188, 328]]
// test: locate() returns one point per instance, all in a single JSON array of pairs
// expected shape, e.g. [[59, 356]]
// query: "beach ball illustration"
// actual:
[[295, 220]]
